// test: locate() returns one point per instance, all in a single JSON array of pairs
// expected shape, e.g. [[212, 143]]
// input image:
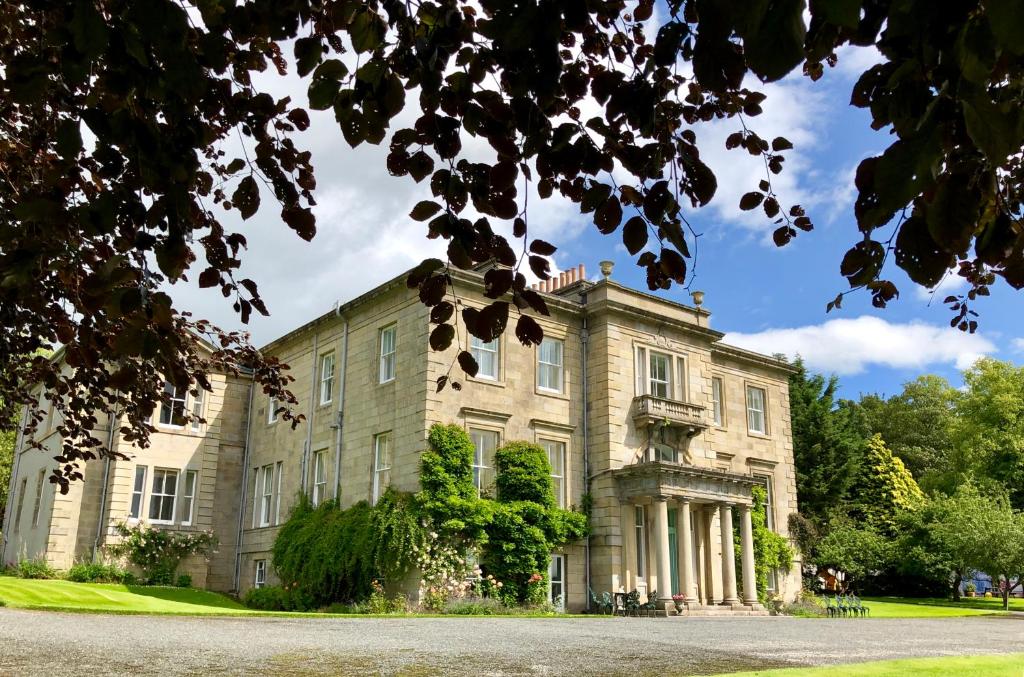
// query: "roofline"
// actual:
[[751, 356]]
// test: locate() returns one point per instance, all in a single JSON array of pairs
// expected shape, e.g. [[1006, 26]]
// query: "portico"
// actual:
[[692, 513]]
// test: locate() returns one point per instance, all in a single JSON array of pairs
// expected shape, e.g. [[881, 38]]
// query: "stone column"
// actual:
[[728, 556], [698, 540], [629, 545], [663, 558], [709, 557], [684, 538], [747, 553]]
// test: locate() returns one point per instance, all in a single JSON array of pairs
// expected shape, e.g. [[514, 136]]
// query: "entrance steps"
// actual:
[[718, 611]]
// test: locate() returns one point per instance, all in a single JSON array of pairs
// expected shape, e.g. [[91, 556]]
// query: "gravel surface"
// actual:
[[45, 643]]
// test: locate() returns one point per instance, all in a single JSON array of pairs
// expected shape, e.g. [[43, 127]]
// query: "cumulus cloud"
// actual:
[[849, 346], [1018, 345], [951, 284]]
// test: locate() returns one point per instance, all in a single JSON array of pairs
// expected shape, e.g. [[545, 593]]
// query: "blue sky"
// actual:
[[768, 299]]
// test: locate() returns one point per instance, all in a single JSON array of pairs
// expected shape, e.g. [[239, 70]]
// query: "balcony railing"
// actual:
[[648, 409]]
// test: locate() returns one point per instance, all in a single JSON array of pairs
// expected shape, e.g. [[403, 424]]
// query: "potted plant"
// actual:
[[970, 589], [679, 601]]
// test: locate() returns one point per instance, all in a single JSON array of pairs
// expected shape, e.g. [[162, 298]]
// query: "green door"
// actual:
[[673, 551]]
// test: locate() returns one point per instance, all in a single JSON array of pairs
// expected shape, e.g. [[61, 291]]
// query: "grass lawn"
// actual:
[[909, 607], [113, 598], [1006, 665]]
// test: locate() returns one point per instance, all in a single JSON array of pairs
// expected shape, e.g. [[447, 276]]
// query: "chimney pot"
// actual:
[[582, 272]]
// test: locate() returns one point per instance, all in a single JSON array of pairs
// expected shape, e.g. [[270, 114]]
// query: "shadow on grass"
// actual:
[[186, 596]]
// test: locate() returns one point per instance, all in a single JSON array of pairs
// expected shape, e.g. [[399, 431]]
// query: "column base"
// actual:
[[731, 602]]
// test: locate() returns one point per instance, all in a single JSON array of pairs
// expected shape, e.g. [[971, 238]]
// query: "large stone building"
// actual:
[[647, 417]]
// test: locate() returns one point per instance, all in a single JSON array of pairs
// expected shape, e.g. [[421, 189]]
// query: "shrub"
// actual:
[[158, 552], [276, 598], [448, 496], [36, 568], [807, 605], [184, 581], [476, 606], [95, 572]]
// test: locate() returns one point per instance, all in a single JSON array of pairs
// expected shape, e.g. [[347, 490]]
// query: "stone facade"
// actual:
[[659, 430]]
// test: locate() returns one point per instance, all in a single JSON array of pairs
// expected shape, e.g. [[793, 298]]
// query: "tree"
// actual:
[[858, 551], [7, 442], [114, 175], [883, 489], [1002, 555], [989, 429], [828, 444], [917, 425]]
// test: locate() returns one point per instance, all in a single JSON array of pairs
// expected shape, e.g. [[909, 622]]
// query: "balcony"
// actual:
[[650, 410]]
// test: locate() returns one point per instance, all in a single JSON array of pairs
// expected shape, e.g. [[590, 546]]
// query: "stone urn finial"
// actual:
[[698, 298], [606, 268]]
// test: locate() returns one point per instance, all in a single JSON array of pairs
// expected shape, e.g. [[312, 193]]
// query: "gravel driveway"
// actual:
[[36, 642]]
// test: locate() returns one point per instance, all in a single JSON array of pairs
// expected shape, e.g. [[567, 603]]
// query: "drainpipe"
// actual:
[[245, 486], [584, 340], [340, 422], [313, 390], [106, 483], [12, 485]]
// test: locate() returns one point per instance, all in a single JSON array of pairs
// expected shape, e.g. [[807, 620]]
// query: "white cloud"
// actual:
[[849, 346], [1018, 345], [951, 284]]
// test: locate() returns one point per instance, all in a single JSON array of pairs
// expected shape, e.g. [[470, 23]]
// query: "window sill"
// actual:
[[557, 394], [760, 436], [498, 383]]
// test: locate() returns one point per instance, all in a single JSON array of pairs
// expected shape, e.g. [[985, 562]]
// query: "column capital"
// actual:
[[660, 499]]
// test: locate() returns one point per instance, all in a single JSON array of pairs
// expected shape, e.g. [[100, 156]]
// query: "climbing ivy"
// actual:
[[772, 552]]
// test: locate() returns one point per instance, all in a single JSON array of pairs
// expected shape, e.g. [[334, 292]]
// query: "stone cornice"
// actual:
[[551, 425], [473, 412], [752, 357], [607, 305], [674, 480]]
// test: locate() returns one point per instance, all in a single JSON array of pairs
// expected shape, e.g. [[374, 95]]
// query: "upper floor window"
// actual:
[[381, 465], [326, 378], [660, 375], [486, 356], [756, 420], [319, 477], [172, 411], [138, 489], [484, 444], [272, 410], [556, 457], [197, 408], [21, 504], [261, 574], [163, 496], [550, 365], [388, 342], [716, 400], [265, 495]]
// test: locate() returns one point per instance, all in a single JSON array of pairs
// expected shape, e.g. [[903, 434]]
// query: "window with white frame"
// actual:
[[659, 375], [717, 410], [640, 530], [550, 365], [172, 411], [261, 574], [756, 422], [487, 356], [326, 378], [188, 497], [319, 477], [197, 408], [556, 582], [381, 465], [556, 457], [21, 504], [484, 444], [272, 410], [388, 347], [277, 491], [163, 495], [266, 494], [138, 489], [40, 479]]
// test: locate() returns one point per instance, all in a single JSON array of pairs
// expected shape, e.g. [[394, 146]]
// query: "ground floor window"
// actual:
[[138, 488], [556, 582], [261, 573], [163, 496]]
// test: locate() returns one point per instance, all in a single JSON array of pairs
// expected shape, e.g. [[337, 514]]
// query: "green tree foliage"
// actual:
[[115, 115], [7, 441], [989, 427], [917, 425], [883, 489], [1003, 554], [828, 442], [857, 550], [448, 495], [772, 551], [527, 525]]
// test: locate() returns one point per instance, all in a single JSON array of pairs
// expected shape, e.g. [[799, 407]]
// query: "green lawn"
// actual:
[[908, 607], [111, 597], [1006, 665]]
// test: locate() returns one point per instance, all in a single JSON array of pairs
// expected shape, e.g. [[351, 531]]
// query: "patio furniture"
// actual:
[[600, 605], [831, 609], [859, 607], [606, 602], [633, 602], [651, 605], [619, 604]]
